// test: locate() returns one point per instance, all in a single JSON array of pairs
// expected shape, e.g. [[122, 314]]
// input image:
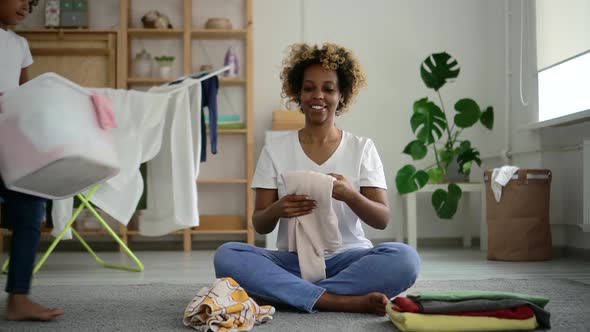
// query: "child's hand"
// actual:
[[342, 190], [290, 206]]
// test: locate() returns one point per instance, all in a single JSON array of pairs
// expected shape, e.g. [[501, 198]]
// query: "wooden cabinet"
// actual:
[[86, 57]]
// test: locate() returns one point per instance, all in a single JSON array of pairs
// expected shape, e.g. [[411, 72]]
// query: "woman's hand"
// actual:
[[290, 206], [342, 189]]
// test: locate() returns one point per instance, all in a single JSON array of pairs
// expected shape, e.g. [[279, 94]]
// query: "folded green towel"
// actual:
[[475, 294]]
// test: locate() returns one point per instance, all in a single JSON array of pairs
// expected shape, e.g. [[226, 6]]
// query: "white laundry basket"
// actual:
[[51, 144]]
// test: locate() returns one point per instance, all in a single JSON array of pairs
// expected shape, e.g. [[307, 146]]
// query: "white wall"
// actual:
[[391, 38], [567, 187]]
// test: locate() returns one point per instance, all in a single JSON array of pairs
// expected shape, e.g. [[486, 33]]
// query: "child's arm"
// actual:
[[24, 76]]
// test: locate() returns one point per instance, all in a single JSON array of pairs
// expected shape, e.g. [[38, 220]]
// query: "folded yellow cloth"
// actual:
[[411, 322], [225, 307]]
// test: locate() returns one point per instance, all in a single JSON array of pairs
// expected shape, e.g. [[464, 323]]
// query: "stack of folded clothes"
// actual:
[[468, 311]]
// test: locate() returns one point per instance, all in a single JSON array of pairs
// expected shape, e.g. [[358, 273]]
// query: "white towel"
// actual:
[[315, 234], [172, 173], [500, 177]]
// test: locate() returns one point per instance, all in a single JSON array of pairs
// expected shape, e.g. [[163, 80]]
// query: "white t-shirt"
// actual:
[[14, 56], [356, 158]]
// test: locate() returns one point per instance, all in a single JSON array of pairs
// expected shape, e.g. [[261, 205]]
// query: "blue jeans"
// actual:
[[274, 276], [24, 213]]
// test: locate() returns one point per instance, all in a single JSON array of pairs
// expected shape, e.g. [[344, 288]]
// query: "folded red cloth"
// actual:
[[522, 312], [406, 304]]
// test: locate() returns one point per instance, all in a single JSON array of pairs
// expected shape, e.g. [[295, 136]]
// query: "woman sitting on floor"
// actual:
[[359, 277]]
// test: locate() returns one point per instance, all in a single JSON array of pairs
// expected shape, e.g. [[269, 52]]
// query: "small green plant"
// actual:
[[433, 129], [164, 60]]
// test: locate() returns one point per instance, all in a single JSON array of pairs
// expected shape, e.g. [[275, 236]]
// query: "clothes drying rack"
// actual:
[[85, 204]]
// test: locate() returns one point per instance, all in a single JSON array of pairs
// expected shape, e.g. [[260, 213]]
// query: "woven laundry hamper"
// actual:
[[518, 225]]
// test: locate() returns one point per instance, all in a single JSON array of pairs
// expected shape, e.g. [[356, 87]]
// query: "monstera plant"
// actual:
[[439, 131]]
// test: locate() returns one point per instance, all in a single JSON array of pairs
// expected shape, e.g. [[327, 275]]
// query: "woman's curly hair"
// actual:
[[351, 76], [32, 4]]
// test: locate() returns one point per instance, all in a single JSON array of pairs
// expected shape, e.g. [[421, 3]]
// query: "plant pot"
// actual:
[[453, 174], [164, 71], [143, 68]]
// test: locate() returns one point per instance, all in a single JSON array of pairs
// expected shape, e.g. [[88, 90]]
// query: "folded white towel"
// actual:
[[500, 177]]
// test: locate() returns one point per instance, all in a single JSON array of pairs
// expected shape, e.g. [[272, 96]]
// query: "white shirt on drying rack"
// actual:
[[172, 201], [162, 126], [137, 139]]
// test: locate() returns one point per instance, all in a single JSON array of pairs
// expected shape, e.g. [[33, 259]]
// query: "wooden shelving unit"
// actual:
[[209, 224], [220, 34], [113, 49]]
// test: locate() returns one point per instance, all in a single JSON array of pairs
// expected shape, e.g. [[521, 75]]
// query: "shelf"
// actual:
[[158, 81], [147, 80], [155, 33], [230, 131], [239, 231], [196, 231], [66, 31], [222, 181], [232, 81], [219, 33]]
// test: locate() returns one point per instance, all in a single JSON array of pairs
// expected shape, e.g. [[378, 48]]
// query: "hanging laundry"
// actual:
[[138, 136], [174, 170], [209, 88]]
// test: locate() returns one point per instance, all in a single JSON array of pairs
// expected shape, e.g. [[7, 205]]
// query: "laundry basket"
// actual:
[[518, 225], [52, 145]]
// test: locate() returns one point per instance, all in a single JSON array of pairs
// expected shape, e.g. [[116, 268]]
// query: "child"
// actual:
[[24, 213]]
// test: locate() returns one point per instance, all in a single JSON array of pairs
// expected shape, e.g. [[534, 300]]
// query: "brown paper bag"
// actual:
[[518, 225]]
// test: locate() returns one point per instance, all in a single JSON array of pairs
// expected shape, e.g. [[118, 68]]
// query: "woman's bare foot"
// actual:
[[373, 303], [20, 307]]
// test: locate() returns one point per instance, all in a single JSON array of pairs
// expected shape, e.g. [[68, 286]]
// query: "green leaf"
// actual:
[[468, 113], [466, 157], [446, 155], [445, 203], [409, 180], [466, 168], [464, 146], [436, 174], [416, 149], [487, 118], [437, 69], [427, 121]]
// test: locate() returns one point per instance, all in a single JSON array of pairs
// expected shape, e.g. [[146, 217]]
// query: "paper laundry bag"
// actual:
[[518, 225]]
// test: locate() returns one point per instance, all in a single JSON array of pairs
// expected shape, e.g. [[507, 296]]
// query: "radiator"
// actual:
[[586, 192]]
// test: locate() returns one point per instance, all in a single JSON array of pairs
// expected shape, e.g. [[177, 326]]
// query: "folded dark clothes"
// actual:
[[521, 312], [477, 295], [448, 307]]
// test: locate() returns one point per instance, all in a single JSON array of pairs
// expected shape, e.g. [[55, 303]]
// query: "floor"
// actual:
[[79, 268]]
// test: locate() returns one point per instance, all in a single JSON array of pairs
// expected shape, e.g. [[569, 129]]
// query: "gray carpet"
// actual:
[[159, 307]]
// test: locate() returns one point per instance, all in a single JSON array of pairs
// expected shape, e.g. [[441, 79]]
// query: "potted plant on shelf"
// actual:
[[164, 65], [437, 131]]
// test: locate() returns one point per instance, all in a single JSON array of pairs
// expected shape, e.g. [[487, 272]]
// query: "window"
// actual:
[[564, 88]]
